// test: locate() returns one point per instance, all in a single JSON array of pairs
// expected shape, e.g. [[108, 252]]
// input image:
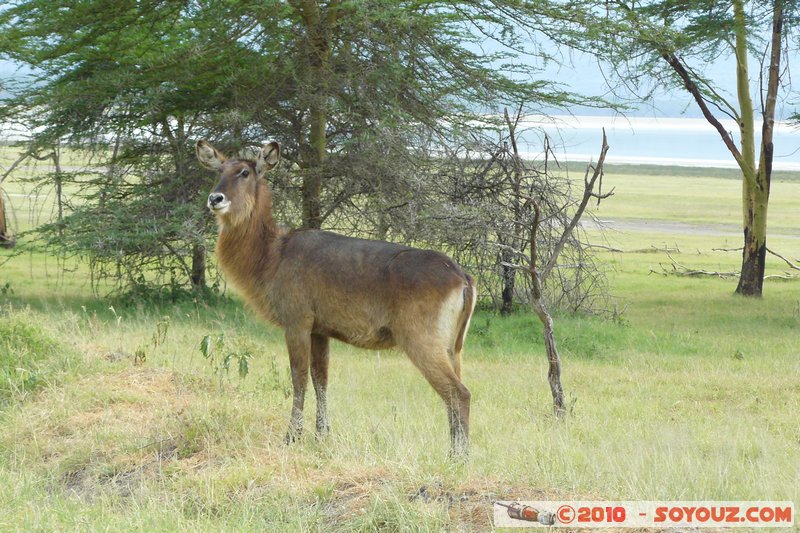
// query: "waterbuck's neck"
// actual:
[[246, 249]]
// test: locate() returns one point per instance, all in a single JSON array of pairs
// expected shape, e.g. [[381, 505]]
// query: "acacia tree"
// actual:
[[347, 88], [352, 86], [129, 89], [668, 41]]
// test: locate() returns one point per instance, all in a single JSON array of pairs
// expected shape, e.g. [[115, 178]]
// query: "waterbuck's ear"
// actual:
[[208, 156], [268, 158]]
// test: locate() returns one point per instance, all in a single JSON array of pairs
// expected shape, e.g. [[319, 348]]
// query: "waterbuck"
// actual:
[[316, 285]]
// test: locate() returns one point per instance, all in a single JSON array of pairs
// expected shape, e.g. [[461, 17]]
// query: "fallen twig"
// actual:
[[677, 269], [788, 262], [652, 249], [784, 276], [603, 247]]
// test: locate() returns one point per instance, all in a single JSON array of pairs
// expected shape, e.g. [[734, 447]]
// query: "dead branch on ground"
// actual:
[[652, 249], [792, 265], [674, 268]]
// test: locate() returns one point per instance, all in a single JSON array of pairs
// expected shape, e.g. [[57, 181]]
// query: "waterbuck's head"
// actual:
[[233, 200]]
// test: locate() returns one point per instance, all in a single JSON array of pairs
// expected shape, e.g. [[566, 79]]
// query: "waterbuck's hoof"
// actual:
[[291, 436], [459, 451], [323, 432], [459, 456]]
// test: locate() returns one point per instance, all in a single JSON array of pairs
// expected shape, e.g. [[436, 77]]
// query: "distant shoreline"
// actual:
[[663, 162], [576, 166], [662, 141], [685, 142]]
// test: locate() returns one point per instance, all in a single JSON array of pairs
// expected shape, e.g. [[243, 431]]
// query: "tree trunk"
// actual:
[[312, 178], [506, 256], [548, 332], [751, 279], [198, 267], [318, 25], [539, 307], [509, 279], [59, 189], [756, 186], [312, 186], [553, 361], [753, 215]]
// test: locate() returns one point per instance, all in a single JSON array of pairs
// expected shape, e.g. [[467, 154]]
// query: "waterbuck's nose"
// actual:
[[215, 198]]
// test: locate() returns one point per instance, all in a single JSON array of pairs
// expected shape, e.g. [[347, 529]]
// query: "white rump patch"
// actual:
[[449, 314]]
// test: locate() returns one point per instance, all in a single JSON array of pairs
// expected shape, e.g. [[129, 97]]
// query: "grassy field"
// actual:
[[113, 419]]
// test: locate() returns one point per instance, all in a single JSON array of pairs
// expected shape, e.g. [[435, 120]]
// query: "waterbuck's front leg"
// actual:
[[319, 376], [298, 341]]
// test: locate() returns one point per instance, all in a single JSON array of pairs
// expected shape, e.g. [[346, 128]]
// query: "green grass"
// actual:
[[697, 200], [31, 357], [692, 394]]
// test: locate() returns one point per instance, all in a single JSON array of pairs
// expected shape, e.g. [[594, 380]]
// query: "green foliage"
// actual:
[[30, 356], [637, 39], [138, 240], [128, 86], [6, 289], [220, 356]]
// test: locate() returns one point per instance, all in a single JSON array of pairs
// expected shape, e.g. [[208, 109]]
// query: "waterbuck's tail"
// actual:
[[470, 295]]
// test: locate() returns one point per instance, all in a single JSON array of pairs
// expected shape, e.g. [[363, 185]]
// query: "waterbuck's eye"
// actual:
[[244, 173]]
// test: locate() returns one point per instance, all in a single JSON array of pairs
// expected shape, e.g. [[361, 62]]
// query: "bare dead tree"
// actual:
[[539, 307], [537, 303], [481, 205], [490, 205]]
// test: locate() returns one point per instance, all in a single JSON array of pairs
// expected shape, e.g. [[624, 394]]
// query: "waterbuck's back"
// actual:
[[371, 294]]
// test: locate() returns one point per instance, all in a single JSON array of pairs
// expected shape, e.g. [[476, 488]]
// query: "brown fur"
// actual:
[[5, 237], [316, 285]]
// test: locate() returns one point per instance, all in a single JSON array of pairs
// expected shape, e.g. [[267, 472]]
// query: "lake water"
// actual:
[[632, 140], [647, 140]]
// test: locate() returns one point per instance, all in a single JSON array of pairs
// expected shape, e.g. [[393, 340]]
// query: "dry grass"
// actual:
[[160, 447], [132, 437]]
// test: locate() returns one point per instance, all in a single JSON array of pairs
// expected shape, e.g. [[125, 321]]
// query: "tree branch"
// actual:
[[22, 157], [768, 123], [694, 90], [588, 194]]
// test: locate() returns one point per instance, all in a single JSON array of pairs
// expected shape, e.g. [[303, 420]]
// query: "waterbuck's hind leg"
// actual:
[[436, 366], [458, 416], [298, 341], [319, 377]]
